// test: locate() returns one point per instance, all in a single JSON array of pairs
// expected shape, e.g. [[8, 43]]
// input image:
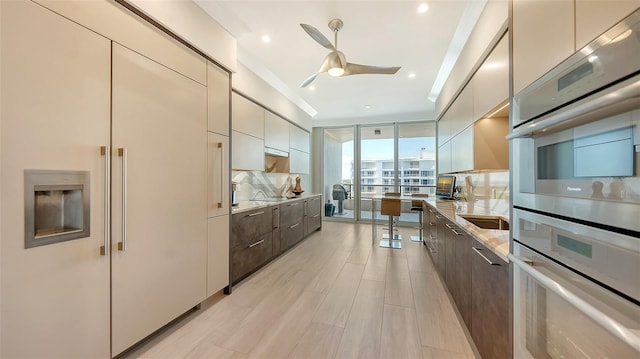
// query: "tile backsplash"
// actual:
[[484, 185], [251, 183]]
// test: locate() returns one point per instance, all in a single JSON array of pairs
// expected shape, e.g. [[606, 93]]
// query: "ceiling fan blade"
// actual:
[[309, 80], [317, 35], [356, 69]]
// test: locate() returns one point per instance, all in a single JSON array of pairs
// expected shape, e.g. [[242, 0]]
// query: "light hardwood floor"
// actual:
[[335, 295]]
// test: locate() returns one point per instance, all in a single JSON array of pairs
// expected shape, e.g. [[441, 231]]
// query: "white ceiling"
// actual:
[[381, 33]]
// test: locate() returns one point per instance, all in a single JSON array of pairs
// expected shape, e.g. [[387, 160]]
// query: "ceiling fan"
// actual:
[[335, 62]]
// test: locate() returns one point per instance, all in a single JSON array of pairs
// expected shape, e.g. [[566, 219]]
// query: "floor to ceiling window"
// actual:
[[366, 160]]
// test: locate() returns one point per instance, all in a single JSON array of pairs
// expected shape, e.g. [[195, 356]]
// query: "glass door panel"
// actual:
[[416, 163], [339, 172], [377, 165]]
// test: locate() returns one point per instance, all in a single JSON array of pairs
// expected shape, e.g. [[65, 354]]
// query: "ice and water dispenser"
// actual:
[[56, 206]]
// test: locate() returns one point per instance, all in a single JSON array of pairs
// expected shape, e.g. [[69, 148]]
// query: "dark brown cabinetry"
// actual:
[[251, 241], [478, 281], [291, 224], [312, 215], [259, 235], [441, 258], [490, 328], [463, 289]]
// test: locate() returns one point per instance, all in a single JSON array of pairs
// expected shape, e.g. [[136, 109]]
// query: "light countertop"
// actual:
[[244, 206], [496, 240]]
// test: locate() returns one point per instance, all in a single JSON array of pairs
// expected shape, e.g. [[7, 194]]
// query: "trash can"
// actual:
[[329, 209]]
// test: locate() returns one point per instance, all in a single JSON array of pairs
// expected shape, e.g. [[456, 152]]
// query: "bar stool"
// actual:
[[391, 207], [395, 221], [416, 205]]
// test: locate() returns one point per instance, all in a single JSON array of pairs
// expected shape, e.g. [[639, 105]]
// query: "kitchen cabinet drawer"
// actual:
[[291, 212], [491, 301], [291, 234], [313, 222], [247, 226], [246, 259], [314, 206]]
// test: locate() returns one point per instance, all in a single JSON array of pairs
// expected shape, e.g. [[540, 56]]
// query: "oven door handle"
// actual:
[[620, 331], [622, 97]]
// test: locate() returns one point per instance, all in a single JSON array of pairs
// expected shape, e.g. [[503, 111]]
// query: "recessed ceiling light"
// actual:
[[412, 75], [423, 8], [367, 106], [312, 88], [266, 39]]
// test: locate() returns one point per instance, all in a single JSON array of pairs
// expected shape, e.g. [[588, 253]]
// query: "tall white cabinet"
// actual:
[[53, 293], [158, 270], [147, 134], [218, 198]]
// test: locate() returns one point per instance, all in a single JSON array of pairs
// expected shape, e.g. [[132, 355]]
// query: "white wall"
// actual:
[[194, 25], [484, 36], [249, 84]]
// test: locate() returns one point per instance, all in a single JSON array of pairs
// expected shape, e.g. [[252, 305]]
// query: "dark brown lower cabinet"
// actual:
[[441, 245], [246, 258], [491, 303], [450, 261], [291, 234], [277, 243], [463, 279]]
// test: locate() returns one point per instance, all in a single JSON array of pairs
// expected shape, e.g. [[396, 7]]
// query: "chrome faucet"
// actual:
[[255, 196]]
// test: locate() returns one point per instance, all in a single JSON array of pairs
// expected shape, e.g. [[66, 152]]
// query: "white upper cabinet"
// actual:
[[543, 36], [491, 81], [444, 158], [461, 112], [248, 117], [298, 139], [298, 162], [547, 32], [593, 17], [276, 132], [444, 128], [247, 152], [218, 92]]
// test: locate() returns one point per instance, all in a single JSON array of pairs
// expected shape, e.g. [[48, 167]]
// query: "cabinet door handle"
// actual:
[[106, 245], [432, 211], [255, 244], [456, 232], [439, 216], [293, 204], [450, 226], [316, 216], [221, 175], [122, 152], [294, 225], [255, 214], [432, 224], [478, 250]]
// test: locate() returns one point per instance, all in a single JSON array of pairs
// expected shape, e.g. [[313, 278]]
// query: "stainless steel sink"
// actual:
[[487, 222]]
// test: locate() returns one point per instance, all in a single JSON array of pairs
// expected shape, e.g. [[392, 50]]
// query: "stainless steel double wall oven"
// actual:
[[576, 203]]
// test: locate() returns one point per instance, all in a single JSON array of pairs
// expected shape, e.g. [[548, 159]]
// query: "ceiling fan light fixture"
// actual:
[[336, 71]]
